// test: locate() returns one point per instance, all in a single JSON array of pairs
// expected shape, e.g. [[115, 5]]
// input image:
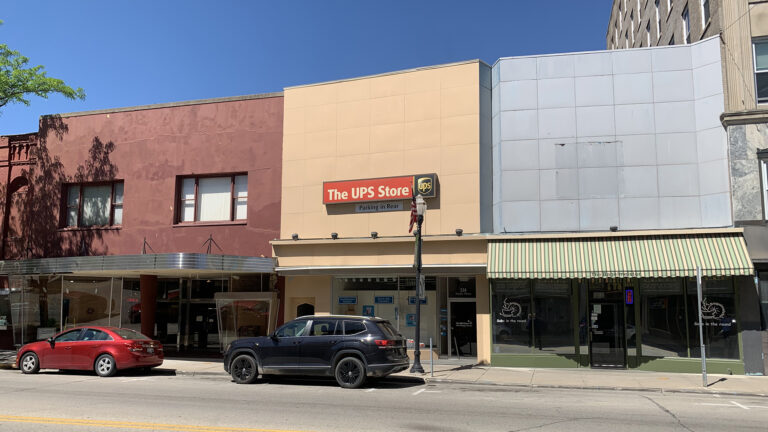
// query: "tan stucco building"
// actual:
[[428, 120]]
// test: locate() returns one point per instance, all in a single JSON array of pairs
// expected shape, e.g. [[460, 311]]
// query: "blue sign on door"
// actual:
[[347, 300], [384, 299], [412, 300]]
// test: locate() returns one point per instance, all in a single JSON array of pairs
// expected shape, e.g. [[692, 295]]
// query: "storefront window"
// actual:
[[511, 306], [35, 307], [391, 298], [551, 324], [88, 301], [718, 309], [663, 320], [130, 316]]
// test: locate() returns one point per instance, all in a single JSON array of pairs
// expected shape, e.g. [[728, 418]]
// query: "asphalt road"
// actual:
[[160, 401]]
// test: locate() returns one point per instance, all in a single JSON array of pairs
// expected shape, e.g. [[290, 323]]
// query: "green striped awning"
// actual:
[[718, 254]]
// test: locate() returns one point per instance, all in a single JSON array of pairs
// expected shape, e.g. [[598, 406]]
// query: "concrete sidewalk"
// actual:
[[597, 379], [462, 372]]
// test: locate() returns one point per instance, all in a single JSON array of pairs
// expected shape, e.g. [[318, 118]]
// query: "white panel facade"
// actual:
[[627, 138]]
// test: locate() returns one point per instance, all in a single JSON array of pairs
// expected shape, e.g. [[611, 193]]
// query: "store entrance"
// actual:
[[462, 332], [607, 347]]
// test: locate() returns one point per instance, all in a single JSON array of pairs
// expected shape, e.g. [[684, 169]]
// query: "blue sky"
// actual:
[[125, 53]]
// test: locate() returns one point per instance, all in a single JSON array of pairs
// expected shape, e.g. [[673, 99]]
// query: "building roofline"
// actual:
[[168, 105], [421, 68], [605, 50]]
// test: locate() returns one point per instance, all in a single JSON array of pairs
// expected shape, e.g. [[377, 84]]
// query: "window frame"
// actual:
[[658, 21], [755, 42], [762, 157], [65, 206], [706, 15], [179, 201]]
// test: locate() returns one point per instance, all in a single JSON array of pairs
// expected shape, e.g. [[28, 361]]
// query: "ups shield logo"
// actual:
[[424, 185]]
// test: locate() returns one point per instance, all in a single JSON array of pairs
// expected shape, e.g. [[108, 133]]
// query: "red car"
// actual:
[[103, 349]]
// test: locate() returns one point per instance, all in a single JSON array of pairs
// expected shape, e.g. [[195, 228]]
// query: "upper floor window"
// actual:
[[648, 34], [761, 70], [213, 198], [704, 13], [763, 157], [670, 5], [686, 25], [93, 204], [632, 26], [658, 21]]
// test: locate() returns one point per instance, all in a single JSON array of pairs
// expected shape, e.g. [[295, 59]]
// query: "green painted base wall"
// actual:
[[654, 364], [540, 361], [691, 365]]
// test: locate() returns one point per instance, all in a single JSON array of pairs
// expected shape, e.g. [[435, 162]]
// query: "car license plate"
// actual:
[[150, 350]]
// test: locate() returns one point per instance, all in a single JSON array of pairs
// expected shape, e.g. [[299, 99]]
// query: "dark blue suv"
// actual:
[[349, 348]]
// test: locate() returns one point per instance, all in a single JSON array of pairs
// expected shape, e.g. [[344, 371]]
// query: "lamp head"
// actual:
[[295, 236], [334, 235], [421, 205]]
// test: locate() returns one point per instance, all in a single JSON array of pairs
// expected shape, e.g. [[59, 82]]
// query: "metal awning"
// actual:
[[614, 256], [140, 264]]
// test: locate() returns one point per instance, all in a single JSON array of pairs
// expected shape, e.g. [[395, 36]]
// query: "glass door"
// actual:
[[607, 347], [245, 314], [462, 331]]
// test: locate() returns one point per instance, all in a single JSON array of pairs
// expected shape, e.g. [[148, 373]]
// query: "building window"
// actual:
[[761, 70], [93, 204], [658, 22], [648, 34], [626, 40], [672, 40], [704, 13], [686, 25], [213, 198], [632, 26], [764, 174], [670, 5]]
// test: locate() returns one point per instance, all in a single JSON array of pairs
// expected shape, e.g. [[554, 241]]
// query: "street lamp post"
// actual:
[[421, 208]]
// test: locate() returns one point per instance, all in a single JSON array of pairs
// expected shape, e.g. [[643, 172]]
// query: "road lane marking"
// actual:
[[739, 405], [418, 392], [131, 425]]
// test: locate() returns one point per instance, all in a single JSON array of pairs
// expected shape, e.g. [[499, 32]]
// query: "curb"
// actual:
[[596, 388]]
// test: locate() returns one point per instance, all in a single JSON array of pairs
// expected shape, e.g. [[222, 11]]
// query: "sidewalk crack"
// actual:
[[668, 412], [530, 383]]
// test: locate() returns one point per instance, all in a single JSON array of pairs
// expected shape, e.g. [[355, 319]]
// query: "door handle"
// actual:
[[67, 348]]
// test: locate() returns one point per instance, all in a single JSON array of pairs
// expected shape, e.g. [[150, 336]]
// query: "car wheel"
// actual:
[[350, 372], [243, 369], [29, 363], [105, 366]]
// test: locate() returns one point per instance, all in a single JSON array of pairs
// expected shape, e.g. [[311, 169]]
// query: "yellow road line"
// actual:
[[130, 425]]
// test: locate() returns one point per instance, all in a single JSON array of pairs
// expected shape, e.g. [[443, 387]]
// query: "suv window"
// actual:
[[323, 328], [353, 327], [295, 328], [387, 328]]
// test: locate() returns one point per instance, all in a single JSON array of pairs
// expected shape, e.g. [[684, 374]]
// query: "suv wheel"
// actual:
[[243, 369], [350, 372]]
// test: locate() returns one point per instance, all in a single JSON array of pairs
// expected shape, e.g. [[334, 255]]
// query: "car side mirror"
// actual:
[[273, 336], [50, 341]]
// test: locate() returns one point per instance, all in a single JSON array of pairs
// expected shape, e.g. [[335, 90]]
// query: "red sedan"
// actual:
[[103, 349]]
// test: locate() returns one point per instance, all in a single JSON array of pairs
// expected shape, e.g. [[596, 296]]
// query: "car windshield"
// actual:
[[130, 334], [387, 328]]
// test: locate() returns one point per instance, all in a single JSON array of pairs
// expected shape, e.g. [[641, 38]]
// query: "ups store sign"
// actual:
[[380, 189]]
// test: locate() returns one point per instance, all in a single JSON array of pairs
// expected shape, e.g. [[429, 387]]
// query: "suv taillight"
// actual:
[[385, 342]]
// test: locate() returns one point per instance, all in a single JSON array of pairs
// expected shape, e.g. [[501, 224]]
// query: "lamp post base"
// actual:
[[417, 368]]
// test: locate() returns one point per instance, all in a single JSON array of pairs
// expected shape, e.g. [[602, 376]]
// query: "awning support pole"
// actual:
[[701, 329]]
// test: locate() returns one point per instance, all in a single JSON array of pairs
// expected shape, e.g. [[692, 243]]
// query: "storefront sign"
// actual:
[[368, 310], [347, 300], [629, 296], [384, 299], [410, 320], [412, 300], [380, 189], [379, 207]]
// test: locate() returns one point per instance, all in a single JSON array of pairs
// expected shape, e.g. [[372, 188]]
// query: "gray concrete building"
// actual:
[[742, 30]]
